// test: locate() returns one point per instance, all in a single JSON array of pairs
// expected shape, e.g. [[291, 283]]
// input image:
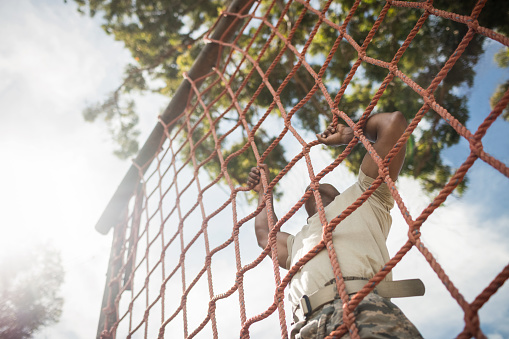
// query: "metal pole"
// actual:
[[207, 59], [112, 287]]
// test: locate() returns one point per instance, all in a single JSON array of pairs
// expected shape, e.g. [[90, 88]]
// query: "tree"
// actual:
[[502, 60], [29, 298], [163, 36], [164, 52]]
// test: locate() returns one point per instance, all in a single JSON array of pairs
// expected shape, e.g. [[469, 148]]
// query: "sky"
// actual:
[[59, 173]]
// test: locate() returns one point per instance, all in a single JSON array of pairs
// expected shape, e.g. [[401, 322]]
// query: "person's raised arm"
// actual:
[[262, 227], [384, 129]]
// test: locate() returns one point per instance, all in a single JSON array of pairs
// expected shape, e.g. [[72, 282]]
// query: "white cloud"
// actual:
[[58, 171], [61, 55], [471, 251]]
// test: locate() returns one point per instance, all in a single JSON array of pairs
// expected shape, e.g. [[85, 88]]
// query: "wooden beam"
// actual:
[[208, 58]]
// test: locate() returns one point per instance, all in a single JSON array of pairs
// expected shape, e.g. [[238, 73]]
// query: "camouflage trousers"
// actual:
[[375, 317]]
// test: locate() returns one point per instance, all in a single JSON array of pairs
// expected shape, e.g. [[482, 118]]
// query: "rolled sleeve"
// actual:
[[382, 195]]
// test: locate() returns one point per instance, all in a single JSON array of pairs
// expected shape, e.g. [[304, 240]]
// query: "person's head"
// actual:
[[327, 193]]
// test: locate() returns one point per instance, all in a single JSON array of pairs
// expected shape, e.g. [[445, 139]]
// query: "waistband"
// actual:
[[387, 289]]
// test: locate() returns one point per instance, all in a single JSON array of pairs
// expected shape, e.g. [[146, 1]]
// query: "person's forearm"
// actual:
[[384, 130], [262, 227]]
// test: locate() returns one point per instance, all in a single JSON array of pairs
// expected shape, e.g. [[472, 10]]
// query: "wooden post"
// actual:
[[203, 64]]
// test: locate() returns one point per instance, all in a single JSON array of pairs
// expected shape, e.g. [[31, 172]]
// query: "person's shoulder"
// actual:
[[382, 193], [364, 180]]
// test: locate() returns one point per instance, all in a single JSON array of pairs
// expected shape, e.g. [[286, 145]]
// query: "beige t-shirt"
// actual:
[[359, 240]]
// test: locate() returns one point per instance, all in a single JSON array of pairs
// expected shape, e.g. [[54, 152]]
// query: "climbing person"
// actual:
[[359, 241]]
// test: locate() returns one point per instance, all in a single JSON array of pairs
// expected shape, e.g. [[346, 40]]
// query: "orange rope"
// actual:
[[160, 218]]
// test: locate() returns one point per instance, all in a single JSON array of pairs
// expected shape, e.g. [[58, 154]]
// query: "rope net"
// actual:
[[185, 262]]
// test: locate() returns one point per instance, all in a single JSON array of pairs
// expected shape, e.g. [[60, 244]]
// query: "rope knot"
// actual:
[[429, 98], [414, 235], [474, 25], [161, 121], [472, 322], [385, 170], [105, 334], [476, 146], [357, 128]]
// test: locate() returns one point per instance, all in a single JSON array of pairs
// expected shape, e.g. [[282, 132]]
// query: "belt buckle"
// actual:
[[305, 306]]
